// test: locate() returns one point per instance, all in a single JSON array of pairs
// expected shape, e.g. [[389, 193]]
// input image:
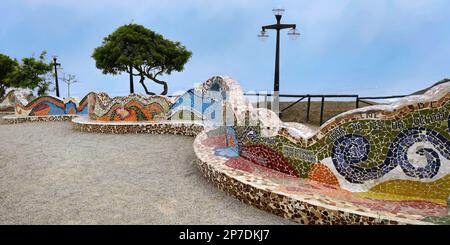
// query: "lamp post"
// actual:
[[293, 34], [69, 79], [131, 80], [55, 64]]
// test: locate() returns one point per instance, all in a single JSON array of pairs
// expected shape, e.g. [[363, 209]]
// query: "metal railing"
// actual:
[[322, 97], [379, 98]]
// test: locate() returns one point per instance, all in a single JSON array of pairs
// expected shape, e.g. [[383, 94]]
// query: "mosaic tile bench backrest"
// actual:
[[400, 151], [7, 102], [396, 151], [133, 107], [52, 106], [218, 101]]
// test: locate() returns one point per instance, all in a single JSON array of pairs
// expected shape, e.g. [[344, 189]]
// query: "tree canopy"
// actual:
[[140, 52], [7, 66], [30, 73]]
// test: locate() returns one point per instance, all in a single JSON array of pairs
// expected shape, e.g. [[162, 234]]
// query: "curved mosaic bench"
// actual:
[[395, 155], [376, 165], [48, 108], [131, 108], [103, 111], [12, 96], [303, 201], [394, 152], [84, 124]]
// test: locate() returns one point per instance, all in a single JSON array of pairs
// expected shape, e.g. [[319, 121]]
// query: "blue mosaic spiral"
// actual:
[[351, 150]]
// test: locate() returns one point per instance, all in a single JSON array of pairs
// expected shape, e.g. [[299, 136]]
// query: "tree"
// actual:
[[133, 47], [7, 66], [32, 73]]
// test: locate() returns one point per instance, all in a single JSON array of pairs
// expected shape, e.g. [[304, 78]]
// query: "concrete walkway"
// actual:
[[51, 174]]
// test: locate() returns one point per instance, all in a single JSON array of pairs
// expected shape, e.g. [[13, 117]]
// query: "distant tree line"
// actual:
[[30, 72], [132, 49]]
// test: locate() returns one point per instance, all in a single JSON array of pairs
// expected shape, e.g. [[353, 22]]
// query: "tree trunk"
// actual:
[[166, 88], [141, 81], [131, 80]]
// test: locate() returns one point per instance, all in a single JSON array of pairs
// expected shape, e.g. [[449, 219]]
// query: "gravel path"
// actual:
[[51, 174]]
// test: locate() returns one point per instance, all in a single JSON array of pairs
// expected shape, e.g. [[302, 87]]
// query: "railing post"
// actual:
[[357, 101], [257, 100], [308, 108], [265, 101], [321, 110]]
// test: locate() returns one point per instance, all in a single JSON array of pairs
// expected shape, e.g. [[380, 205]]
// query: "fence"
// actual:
[[322, 97]]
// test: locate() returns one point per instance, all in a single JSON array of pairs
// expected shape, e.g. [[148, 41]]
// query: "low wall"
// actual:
[[7, 102], [84, 124], [131, 108], [52, 106], [11, 119], [394, 152]]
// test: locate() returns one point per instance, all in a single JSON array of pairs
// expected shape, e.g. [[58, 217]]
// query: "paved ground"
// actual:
[[50, 174]]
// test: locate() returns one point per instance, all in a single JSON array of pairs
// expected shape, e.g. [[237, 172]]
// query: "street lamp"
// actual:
[[69, 79], [263, 35], [293, 34], [278, 11], [55, 65]]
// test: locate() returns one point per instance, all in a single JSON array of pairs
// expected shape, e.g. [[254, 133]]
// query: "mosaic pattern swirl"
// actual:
[[52, 106], [399, 151], [133, 107], [351, 150], [408, 138], [348, 152]]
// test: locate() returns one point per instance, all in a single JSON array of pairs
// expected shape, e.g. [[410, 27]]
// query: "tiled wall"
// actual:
[[396, 152], [133, 107], [51, 106], [7, 102]]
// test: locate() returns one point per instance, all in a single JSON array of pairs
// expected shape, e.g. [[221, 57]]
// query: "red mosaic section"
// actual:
[[240, 163], [407, 206], [250, 167], [219, 141], [330, 193], [267, 157], [323, 174], [333, 195]]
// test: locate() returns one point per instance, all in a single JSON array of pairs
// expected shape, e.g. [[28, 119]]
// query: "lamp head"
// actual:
[[278, 11], [293, 34], [263, 35]]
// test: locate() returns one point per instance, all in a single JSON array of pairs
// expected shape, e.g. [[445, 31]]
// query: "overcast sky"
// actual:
[[367, 47]]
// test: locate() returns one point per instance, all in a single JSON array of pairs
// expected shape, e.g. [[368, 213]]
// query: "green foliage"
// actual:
[[7, 66], [147, 52], [31, 73]]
